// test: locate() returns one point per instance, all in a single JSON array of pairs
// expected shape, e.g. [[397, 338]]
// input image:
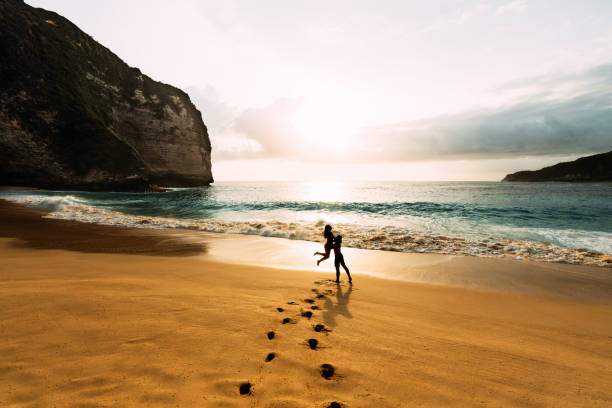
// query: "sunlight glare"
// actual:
[[327, 120]]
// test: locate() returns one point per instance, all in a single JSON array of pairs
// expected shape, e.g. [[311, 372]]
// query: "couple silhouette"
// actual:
[[334, 243]]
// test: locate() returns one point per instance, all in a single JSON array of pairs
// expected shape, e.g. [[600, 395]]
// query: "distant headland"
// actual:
[[591, 168], [73, 115]]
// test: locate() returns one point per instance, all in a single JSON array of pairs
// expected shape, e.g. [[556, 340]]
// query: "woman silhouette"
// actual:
[[329, 244]]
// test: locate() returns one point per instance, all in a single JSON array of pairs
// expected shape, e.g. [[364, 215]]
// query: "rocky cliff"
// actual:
[[73, 115], [591, 168]]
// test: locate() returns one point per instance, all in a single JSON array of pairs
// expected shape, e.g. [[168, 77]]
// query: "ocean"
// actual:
[[553, 222]]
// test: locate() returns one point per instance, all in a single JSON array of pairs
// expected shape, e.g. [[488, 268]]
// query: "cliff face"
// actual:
[[74, 115], [591, 168]]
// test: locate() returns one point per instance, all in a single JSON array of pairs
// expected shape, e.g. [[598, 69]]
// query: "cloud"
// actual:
[[517, 6], [456, 19], [215, 113], [220, 119], [464, 15], [555, 115], [271, 127], [545, 123], [263, 132]]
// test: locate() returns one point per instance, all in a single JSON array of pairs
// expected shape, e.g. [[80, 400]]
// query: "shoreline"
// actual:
[[31, 229], [387, 239], [107, 316]]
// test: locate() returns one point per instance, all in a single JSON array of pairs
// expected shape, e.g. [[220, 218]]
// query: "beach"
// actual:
[[106, 316], [176, 203]]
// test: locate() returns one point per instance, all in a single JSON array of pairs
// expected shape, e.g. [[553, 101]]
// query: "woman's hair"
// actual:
[[327, 230], [338, 238]]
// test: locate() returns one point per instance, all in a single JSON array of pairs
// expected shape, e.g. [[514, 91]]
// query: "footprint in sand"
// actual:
[[307, 314], [326, 282], [323, 281], [319, 328], [245, 388], [327, 371]]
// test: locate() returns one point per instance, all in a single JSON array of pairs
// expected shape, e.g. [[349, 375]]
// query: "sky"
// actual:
[[375, 90]]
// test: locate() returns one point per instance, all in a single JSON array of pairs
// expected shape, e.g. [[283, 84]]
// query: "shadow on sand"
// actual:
[[32, 231], [340, 308]]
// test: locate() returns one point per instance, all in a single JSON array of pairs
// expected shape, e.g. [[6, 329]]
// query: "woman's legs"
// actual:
[[345, 268], [325, 255]]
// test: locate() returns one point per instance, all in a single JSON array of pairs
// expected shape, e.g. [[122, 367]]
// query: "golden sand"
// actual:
[[157, 324]]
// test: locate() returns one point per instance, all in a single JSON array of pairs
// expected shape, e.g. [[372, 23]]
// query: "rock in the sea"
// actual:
[[74, 115], [590, 168]]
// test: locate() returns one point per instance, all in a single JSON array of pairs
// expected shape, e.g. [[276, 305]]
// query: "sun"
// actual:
[[326, 122]]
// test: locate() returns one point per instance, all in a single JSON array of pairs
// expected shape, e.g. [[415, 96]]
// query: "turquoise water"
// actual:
[[482, 218]]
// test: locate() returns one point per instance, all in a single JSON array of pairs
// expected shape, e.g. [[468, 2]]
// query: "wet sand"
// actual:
[[94, 316]]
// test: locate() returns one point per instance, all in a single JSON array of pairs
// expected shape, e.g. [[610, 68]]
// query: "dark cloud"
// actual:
[[545, 124], [582, 124]]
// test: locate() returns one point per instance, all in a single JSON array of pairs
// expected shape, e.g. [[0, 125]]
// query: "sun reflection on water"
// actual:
[[328, 191]]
